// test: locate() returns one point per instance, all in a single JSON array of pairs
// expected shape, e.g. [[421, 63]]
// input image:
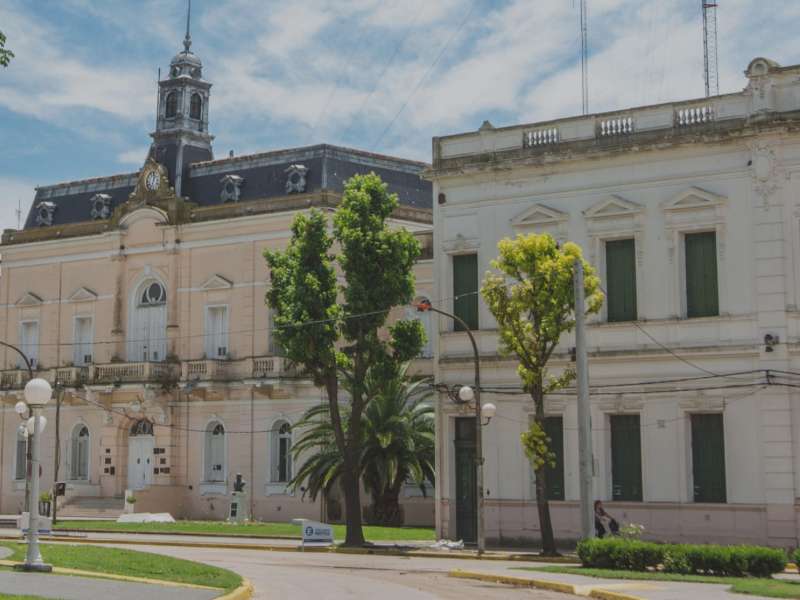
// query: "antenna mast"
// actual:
[[584, 59], [710, 47]]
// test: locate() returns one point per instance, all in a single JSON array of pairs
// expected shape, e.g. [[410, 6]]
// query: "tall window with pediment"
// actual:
[[281, 460], [79, 453]]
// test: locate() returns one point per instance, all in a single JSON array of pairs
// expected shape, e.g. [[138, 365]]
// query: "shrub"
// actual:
[[620, 553], [635, 555]]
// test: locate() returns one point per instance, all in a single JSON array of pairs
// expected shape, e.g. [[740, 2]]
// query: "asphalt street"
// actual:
[[315, 576]]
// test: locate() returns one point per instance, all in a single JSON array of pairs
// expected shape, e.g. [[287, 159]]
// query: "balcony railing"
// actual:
[[261, 367]]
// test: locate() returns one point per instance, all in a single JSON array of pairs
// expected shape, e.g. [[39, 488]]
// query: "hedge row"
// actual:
[[636, 555]]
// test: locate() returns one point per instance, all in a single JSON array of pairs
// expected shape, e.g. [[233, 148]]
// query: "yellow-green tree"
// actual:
[[533, 300]]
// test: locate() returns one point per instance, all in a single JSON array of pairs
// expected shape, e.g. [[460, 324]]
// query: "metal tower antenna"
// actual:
[[584, 58], [710, 59]]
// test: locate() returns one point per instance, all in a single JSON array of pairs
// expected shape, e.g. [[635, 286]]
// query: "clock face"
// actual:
[[152, 180]]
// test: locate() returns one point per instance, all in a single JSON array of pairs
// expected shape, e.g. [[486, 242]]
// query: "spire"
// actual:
[[187, 41]]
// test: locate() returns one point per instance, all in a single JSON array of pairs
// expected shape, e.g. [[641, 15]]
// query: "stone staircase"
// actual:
[[90, 507]]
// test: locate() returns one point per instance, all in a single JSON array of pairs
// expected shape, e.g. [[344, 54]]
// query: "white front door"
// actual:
[[140, 461]]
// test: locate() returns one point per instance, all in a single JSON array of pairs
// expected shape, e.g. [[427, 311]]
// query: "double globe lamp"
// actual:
[[37, 394]]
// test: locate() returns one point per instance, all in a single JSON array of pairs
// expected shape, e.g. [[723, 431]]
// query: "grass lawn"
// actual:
[[130, 563], [7, 597], [772, 588], [372, 534]]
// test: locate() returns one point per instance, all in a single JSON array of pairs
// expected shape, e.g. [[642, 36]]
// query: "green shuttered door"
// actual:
[[554, 428], [466, 477], [626, 458], [702, 299], [465, 281], [708, 458], [621, 280]]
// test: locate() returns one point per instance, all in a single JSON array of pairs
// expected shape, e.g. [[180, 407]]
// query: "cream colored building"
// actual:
[[141, 298], [691, 213]]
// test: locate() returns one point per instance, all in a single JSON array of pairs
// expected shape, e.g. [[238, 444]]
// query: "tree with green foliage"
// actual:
[[533, 300], [333, 341], [397, 446], [5, 55]]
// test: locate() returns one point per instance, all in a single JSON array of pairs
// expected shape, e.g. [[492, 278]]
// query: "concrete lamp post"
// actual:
[[37, 395]]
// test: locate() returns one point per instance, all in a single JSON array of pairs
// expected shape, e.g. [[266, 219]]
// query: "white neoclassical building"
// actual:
[[691, 213]]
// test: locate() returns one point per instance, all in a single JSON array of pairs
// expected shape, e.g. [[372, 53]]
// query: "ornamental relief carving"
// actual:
[[766, 172]]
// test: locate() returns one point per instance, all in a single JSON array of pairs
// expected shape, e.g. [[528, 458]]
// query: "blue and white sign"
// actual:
[[314, 532]]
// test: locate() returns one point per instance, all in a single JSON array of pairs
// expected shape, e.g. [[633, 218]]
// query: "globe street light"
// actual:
[[37, 395]]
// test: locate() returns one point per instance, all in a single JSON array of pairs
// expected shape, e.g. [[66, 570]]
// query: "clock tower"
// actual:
[[181, 136]]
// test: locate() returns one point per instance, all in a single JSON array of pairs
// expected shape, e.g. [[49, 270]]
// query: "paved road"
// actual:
[[67, 587], [347, 577]]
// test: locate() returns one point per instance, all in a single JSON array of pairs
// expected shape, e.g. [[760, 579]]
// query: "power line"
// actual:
[[425, 76]]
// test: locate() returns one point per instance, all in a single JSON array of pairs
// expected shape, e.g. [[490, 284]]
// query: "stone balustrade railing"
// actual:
[[606, 127], [261, 367]]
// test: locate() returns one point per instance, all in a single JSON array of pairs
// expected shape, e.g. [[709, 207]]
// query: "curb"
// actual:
[[253, 536], [332, 549], [243, 592], [544, 584]]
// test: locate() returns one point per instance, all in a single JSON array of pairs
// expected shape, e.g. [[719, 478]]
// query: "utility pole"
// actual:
[[584, 25], [710, 56], [586, 462]]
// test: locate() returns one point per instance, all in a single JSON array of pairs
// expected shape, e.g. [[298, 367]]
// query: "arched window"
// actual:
[[215, 452], [195, 106], [171, 105], [281, 463], [22, 454], [79, 453], [147, 322]]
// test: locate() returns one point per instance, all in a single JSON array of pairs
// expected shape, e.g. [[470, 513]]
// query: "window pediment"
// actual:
[[82, 294], [29, 299], [539, 215], [612, 206], [692, 199], [217, 282]]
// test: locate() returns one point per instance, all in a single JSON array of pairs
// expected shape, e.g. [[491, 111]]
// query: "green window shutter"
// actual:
[[708, 458], [554, 428], [702, 296], [465, 286], [621, 280], [626, 458]]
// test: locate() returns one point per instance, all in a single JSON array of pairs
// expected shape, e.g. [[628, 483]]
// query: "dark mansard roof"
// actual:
[[263, 176]]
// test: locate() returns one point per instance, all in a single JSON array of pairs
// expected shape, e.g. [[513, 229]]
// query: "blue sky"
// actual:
[[79, 98]]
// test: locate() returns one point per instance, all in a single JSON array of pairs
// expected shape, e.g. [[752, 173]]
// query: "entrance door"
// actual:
[[466, 480], [140, 461]]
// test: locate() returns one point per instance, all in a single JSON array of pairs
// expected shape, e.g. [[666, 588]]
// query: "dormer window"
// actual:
[[171, 104], [195, 106]]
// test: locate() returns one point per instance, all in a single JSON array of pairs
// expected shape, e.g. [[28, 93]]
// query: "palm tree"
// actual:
[[398, 444]]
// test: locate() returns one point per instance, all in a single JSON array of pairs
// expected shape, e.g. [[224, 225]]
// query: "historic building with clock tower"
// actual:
[[140, 297]]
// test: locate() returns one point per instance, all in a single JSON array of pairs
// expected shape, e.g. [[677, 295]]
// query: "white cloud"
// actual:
[[134, 156]]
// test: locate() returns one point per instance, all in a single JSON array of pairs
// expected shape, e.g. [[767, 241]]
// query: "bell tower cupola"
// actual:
[[181, 136]]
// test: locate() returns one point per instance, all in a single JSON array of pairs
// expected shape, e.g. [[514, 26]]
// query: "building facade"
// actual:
[[690, 212], [141, 298]]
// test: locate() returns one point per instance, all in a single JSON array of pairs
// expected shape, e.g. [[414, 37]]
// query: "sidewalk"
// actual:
[[70, 587], [610, 589]]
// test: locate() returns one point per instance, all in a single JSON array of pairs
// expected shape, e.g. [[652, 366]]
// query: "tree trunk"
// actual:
[[386, 509], [354, 536], [542, 504]]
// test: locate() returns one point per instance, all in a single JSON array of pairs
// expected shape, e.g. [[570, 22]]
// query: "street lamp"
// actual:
[[37, 395], [467, 394]]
